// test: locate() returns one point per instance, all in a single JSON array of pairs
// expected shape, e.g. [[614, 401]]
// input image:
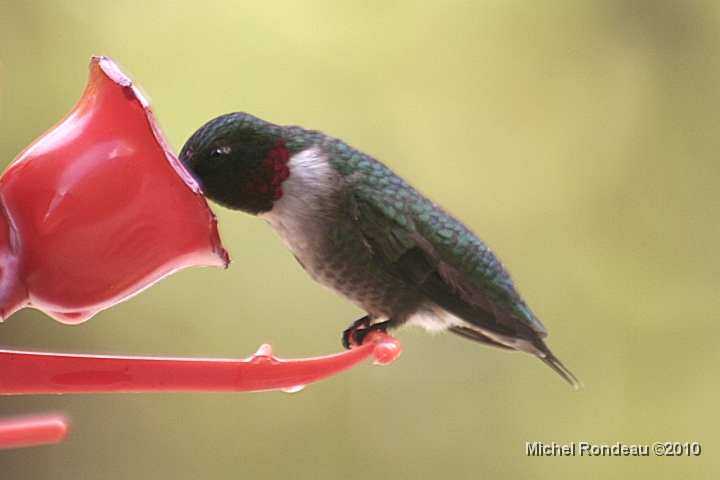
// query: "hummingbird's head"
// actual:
[[239, 161]]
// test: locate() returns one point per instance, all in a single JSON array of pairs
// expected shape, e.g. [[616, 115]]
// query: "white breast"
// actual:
[[297, 218]]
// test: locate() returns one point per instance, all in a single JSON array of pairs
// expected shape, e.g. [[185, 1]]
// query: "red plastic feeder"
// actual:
[[99, 208]]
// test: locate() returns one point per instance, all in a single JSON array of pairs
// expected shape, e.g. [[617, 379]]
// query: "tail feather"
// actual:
[[553, 362], [536, 347]]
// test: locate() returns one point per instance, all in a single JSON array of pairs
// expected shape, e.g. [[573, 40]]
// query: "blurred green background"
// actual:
[[579, 139]]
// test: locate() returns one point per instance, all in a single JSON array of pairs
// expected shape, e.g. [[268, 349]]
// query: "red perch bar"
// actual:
[[33, 430], [23, 373]]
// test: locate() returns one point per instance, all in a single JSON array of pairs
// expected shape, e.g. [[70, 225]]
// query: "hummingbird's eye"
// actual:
[[219, 151], [219, 154]]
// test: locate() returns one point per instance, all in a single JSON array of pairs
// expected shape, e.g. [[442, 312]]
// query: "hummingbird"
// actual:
[[365, 233]]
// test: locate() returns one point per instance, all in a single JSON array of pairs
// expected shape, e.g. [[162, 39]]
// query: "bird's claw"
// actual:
[[355, 334], [348, 337]]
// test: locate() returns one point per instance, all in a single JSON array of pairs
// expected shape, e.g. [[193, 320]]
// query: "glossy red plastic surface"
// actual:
[[37, 373], [387, 348], [33, 430], [99, 208]]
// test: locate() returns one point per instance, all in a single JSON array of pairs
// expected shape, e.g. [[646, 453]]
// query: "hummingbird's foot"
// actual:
[[348, 337], [354, 335]]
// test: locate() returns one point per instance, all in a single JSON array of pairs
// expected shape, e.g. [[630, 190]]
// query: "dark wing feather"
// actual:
[[447, 287], [478, 310], [410, 257], [478, 337]]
